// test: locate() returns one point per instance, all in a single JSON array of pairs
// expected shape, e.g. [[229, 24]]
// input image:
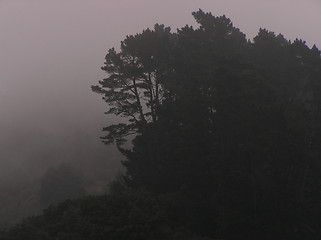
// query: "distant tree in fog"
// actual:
[[59, 184]]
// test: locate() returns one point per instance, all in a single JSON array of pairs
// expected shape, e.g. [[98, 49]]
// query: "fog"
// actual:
[[51, 52]]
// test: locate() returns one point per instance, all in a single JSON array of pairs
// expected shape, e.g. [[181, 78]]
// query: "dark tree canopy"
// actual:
[[236, 129]]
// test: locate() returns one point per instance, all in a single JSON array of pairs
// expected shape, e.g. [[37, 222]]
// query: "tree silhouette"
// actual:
[[59, 184], [134, 86], [236, 131]]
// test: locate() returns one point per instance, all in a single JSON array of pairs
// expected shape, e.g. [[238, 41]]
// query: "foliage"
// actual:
[[237, 140], [133, 87], [124, 213]]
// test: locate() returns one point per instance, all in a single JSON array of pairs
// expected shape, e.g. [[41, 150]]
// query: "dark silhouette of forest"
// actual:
[[226, 140]]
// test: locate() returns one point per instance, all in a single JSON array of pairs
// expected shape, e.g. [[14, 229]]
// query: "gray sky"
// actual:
[[51, 52]]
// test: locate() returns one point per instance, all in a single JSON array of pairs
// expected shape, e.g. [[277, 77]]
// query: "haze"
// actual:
[[52, 51]]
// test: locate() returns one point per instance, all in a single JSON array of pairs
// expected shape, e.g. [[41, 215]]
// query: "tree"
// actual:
[[243, 115], [134, 86], [236, 129], [59, 184]]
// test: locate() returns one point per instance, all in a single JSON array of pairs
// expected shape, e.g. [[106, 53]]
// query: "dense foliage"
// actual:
[[226, 144]]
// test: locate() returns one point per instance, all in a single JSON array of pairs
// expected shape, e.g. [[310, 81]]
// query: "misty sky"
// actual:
[[51, 52]]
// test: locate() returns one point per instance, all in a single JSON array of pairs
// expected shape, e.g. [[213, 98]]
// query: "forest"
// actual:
[[221, 137]]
